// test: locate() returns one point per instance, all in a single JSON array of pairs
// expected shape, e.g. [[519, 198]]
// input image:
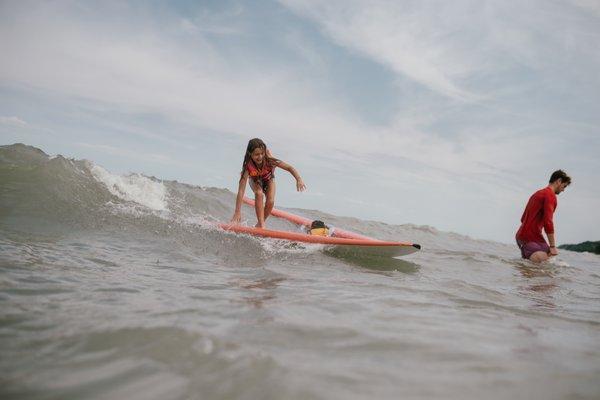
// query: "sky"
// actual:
[[447, 114]]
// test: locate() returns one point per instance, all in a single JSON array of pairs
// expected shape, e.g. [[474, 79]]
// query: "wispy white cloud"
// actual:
[[214, 23], [124, 152], [152, 73], [588, 5], [450, 46], [143, 68], [411, 39], [305, 51], [12, 121]]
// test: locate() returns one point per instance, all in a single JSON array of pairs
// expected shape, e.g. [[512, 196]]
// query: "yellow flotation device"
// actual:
[[318, 228], [320, 231]]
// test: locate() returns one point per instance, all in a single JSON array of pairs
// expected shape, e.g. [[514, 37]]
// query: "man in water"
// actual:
[[537, 215]]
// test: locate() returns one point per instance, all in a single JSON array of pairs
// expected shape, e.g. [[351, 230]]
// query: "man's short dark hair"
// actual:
[[562, 175]]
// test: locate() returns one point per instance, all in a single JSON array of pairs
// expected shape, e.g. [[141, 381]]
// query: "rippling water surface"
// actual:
[[116, 287]]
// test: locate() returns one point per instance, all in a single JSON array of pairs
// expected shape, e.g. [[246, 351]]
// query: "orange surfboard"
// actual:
[[342, 241]]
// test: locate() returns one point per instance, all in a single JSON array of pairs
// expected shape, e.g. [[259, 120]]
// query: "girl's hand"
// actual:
[[553, 251], [236, 218], [300, 186]]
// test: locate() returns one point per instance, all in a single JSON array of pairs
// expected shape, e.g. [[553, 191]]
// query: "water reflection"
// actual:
[[542, 285], [381, 264], [262, 290]]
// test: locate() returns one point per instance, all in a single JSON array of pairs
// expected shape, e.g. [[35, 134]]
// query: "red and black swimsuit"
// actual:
[[261, 176]]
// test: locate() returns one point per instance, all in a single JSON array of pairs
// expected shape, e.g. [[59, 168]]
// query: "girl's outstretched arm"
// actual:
[[237, 214], [300, 186]]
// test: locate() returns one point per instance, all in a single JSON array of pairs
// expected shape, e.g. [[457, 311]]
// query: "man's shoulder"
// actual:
[[540, 193], [546, 193]]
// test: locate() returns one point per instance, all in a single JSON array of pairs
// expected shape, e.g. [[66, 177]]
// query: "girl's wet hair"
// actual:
[[254, 144]]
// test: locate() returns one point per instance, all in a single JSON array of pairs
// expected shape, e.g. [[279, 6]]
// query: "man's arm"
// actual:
[[548, 209], [553, 249], [551, 240]]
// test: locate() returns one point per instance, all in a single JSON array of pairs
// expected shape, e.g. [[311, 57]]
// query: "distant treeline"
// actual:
[[592, 247]]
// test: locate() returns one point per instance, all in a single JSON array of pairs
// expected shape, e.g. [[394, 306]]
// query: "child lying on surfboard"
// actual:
[[259, 165], [318, 228]]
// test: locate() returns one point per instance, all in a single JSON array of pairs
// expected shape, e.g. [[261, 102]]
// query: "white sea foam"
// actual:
[[272, 246], [558, 262], [134, 187]]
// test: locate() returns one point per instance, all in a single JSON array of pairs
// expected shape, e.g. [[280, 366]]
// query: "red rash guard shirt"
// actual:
[[538, 215]]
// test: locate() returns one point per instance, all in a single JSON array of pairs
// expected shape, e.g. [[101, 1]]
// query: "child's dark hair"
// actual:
[[562, 175], [316, 224], [254, 144]]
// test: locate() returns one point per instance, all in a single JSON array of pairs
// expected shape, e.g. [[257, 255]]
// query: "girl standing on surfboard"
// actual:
[[259, 165]]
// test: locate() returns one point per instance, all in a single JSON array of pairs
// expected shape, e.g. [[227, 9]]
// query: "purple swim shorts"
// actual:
[[527, 249]]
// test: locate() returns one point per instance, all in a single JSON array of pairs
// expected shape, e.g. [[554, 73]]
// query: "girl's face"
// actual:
[[258, 155]]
